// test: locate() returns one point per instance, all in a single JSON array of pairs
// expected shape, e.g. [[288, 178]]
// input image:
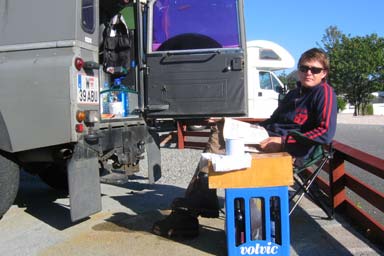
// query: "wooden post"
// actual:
[[338, 186], [180, 135]]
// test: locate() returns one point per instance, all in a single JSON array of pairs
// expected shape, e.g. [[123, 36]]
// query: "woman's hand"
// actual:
[[271, 145]]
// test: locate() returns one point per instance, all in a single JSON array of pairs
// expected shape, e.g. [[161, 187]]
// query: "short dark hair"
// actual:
[[315, 54]]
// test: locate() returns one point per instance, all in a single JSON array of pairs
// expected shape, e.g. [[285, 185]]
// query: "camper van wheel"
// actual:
[[55, 176], [9, 183]]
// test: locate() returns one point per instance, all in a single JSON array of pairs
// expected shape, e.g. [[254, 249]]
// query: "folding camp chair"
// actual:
[[305, 181]]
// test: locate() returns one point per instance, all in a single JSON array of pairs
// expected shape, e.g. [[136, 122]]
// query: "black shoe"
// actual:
[[178, 224], [198, 206]]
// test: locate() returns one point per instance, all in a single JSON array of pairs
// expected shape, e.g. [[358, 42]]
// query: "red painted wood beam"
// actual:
[[365, 161], [370, 194]]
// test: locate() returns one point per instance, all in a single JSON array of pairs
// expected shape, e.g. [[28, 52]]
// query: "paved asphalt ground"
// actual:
[[362, 132], [38, 223]]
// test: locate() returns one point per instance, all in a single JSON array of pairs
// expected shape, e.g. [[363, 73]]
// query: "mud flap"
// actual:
[[84, 183], [152, 146]]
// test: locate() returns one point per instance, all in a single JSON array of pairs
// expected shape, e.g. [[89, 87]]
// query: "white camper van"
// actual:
[[263, 58]]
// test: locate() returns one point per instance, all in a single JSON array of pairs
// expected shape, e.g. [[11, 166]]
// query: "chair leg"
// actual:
[[321, 204], [305, 188], [296, 203], [300, 191]]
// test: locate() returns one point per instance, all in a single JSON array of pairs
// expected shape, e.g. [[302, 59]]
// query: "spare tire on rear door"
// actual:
[[9, 183]]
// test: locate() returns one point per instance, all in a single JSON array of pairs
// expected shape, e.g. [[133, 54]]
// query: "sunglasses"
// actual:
[[314, 70]]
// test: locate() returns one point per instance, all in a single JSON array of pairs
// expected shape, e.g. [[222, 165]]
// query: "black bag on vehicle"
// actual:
[[117, 46]]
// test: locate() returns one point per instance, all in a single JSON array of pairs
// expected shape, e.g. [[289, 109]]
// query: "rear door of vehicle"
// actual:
[[195, 59]]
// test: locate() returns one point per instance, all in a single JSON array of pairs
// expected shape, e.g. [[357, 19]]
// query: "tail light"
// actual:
[[79, 128], [79, 63], [80, 116], [88, 116]]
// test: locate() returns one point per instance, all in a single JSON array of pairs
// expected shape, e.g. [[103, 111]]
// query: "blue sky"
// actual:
[[297, 25]]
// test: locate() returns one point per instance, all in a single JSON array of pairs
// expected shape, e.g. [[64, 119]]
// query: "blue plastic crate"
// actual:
[[261, 235]]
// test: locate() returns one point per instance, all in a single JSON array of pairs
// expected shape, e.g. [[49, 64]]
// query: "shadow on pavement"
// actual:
[[142, 205], [39, 201]]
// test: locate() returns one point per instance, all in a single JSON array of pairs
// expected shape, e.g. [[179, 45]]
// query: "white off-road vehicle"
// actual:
[[80, 79]]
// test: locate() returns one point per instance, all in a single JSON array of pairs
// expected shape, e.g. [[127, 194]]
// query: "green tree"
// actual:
[[289, 80], [331, 37], [357, 67]]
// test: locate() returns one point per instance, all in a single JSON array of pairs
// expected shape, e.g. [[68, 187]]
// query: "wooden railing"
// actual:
[[343, 180], [336, 186]]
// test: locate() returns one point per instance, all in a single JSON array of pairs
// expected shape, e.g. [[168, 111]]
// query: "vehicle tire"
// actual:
[[55, 176], [9, 183]]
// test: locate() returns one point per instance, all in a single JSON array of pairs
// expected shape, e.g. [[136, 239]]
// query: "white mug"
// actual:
[[234, 146]]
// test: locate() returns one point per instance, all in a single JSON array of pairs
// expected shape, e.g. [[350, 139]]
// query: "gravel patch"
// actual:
[[178, 165]]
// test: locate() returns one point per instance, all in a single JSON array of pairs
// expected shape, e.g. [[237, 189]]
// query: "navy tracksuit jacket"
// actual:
[[311, 111]]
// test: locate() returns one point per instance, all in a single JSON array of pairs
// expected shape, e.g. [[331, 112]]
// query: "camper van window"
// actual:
[[276, 85], [195, 24], [265, 81], [268, 54], [88, 15]]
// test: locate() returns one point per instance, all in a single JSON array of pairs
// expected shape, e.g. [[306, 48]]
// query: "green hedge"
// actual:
[[341, 104]]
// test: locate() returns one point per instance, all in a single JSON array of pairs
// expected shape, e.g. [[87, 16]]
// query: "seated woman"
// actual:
[[311, 109]]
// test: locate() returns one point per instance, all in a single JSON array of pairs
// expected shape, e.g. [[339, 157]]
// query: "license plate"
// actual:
[[87, 89]]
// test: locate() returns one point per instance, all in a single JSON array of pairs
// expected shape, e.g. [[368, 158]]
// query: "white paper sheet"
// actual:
[[224, 163], [249, 133]]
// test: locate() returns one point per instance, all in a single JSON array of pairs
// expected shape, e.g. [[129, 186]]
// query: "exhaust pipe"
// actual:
[[65, 153]]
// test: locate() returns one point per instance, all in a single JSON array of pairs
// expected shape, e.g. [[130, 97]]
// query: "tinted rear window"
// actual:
[[216, 19]]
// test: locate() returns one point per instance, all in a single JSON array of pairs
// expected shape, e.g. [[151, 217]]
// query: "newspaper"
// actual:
[[248, 133]]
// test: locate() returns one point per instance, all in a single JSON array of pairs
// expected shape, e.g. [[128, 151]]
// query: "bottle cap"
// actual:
[[117, 81]]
